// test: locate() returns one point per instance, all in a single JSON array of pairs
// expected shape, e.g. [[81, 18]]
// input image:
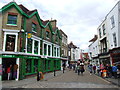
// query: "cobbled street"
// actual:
[[69, 79]]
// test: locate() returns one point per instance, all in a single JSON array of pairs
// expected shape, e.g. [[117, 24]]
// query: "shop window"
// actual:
[[49, 62], [12, 19], [10, 42], [28, 66], [49, 50], [55, 64], [36, 47], [29, 45], [45, 64], [34, 27], [35, 65], [45, 49]]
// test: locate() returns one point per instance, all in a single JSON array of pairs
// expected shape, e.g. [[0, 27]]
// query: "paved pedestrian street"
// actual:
[[69, 79]]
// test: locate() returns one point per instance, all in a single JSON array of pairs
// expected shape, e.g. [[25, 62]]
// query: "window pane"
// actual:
[[54, 51], [45, 49], [33, 27], [49, 64], [36, 47], [10, 42], [29, 45], [12, 19], [28, 65], [49, 50], [35, 65]]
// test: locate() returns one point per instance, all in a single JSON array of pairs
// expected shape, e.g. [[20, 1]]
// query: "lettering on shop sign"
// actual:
[[8, 56]]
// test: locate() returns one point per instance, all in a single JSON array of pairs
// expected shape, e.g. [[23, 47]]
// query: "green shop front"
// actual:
[[27, 65], [50, 64]]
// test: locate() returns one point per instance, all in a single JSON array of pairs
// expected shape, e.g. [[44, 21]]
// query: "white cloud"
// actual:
[[79, 19]]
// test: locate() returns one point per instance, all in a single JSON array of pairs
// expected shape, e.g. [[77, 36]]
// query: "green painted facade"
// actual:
[[28, 63]]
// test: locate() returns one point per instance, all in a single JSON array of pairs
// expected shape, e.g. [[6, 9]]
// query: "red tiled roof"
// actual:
[[26, 10], [45, 22]]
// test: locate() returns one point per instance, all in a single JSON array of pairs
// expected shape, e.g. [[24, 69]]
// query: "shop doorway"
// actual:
[[6, 62]]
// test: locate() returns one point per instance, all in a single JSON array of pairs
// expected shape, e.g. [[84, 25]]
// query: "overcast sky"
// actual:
[[79, 19]]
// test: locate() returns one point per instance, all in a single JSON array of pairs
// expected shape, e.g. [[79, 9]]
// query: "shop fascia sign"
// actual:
[[33, 57], [9, 56]]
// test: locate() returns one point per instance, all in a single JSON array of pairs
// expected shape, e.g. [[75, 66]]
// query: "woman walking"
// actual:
[[82, 69]]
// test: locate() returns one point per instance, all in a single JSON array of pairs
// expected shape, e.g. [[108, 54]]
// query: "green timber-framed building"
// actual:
[[28, 41]]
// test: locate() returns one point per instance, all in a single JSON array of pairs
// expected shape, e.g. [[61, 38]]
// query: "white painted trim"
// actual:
[[44, 41], [33, 46], [18, 63], [47, 49], [39, 47], [4, 42], [43, 48], [0, 60], [26, 44], [51, 50], [16, 39], [9, 30], [35, 37]]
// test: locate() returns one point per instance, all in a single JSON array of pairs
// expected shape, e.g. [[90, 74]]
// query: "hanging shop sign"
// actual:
[[29, 35]]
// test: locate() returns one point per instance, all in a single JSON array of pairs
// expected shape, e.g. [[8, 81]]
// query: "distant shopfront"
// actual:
[[115, 55]]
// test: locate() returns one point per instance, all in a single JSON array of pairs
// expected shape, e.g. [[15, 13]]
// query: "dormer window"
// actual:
[[12, 19], [34, 27]]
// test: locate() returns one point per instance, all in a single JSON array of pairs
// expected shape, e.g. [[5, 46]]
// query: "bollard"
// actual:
[[63, 69], [54, 73]]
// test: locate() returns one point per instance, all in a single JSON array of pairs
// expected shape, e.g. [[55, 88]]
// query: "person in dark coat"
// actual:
[[38, 75], [82, 69]]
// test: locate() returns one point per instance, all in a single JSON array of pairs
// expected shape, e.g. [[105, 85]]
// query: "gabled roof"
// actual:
[[63, 33], [28, 14], [71, 45]]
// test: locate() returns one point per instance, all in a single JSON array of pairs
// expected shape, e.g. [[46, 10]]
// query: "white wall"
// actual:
[[114, 13], [94, 49]]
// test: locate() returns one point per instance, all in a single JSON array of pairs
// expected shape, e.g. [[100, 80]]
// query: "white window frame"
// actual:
[[34, 38], [10, 32], [47, 43]]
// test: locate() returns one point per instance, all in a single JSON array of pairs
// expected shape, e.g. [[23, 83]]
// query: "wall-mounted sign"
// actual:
[[29, 35]]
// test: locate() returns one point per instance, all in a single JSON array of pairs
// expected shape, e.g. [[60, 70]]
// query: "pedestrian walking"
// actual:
[[109, 70], [15, 71], [94, 69], [82, 69], [90, 69], [101, 69], [98, 70], [9, 72], [78, 69], [114, 70]]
